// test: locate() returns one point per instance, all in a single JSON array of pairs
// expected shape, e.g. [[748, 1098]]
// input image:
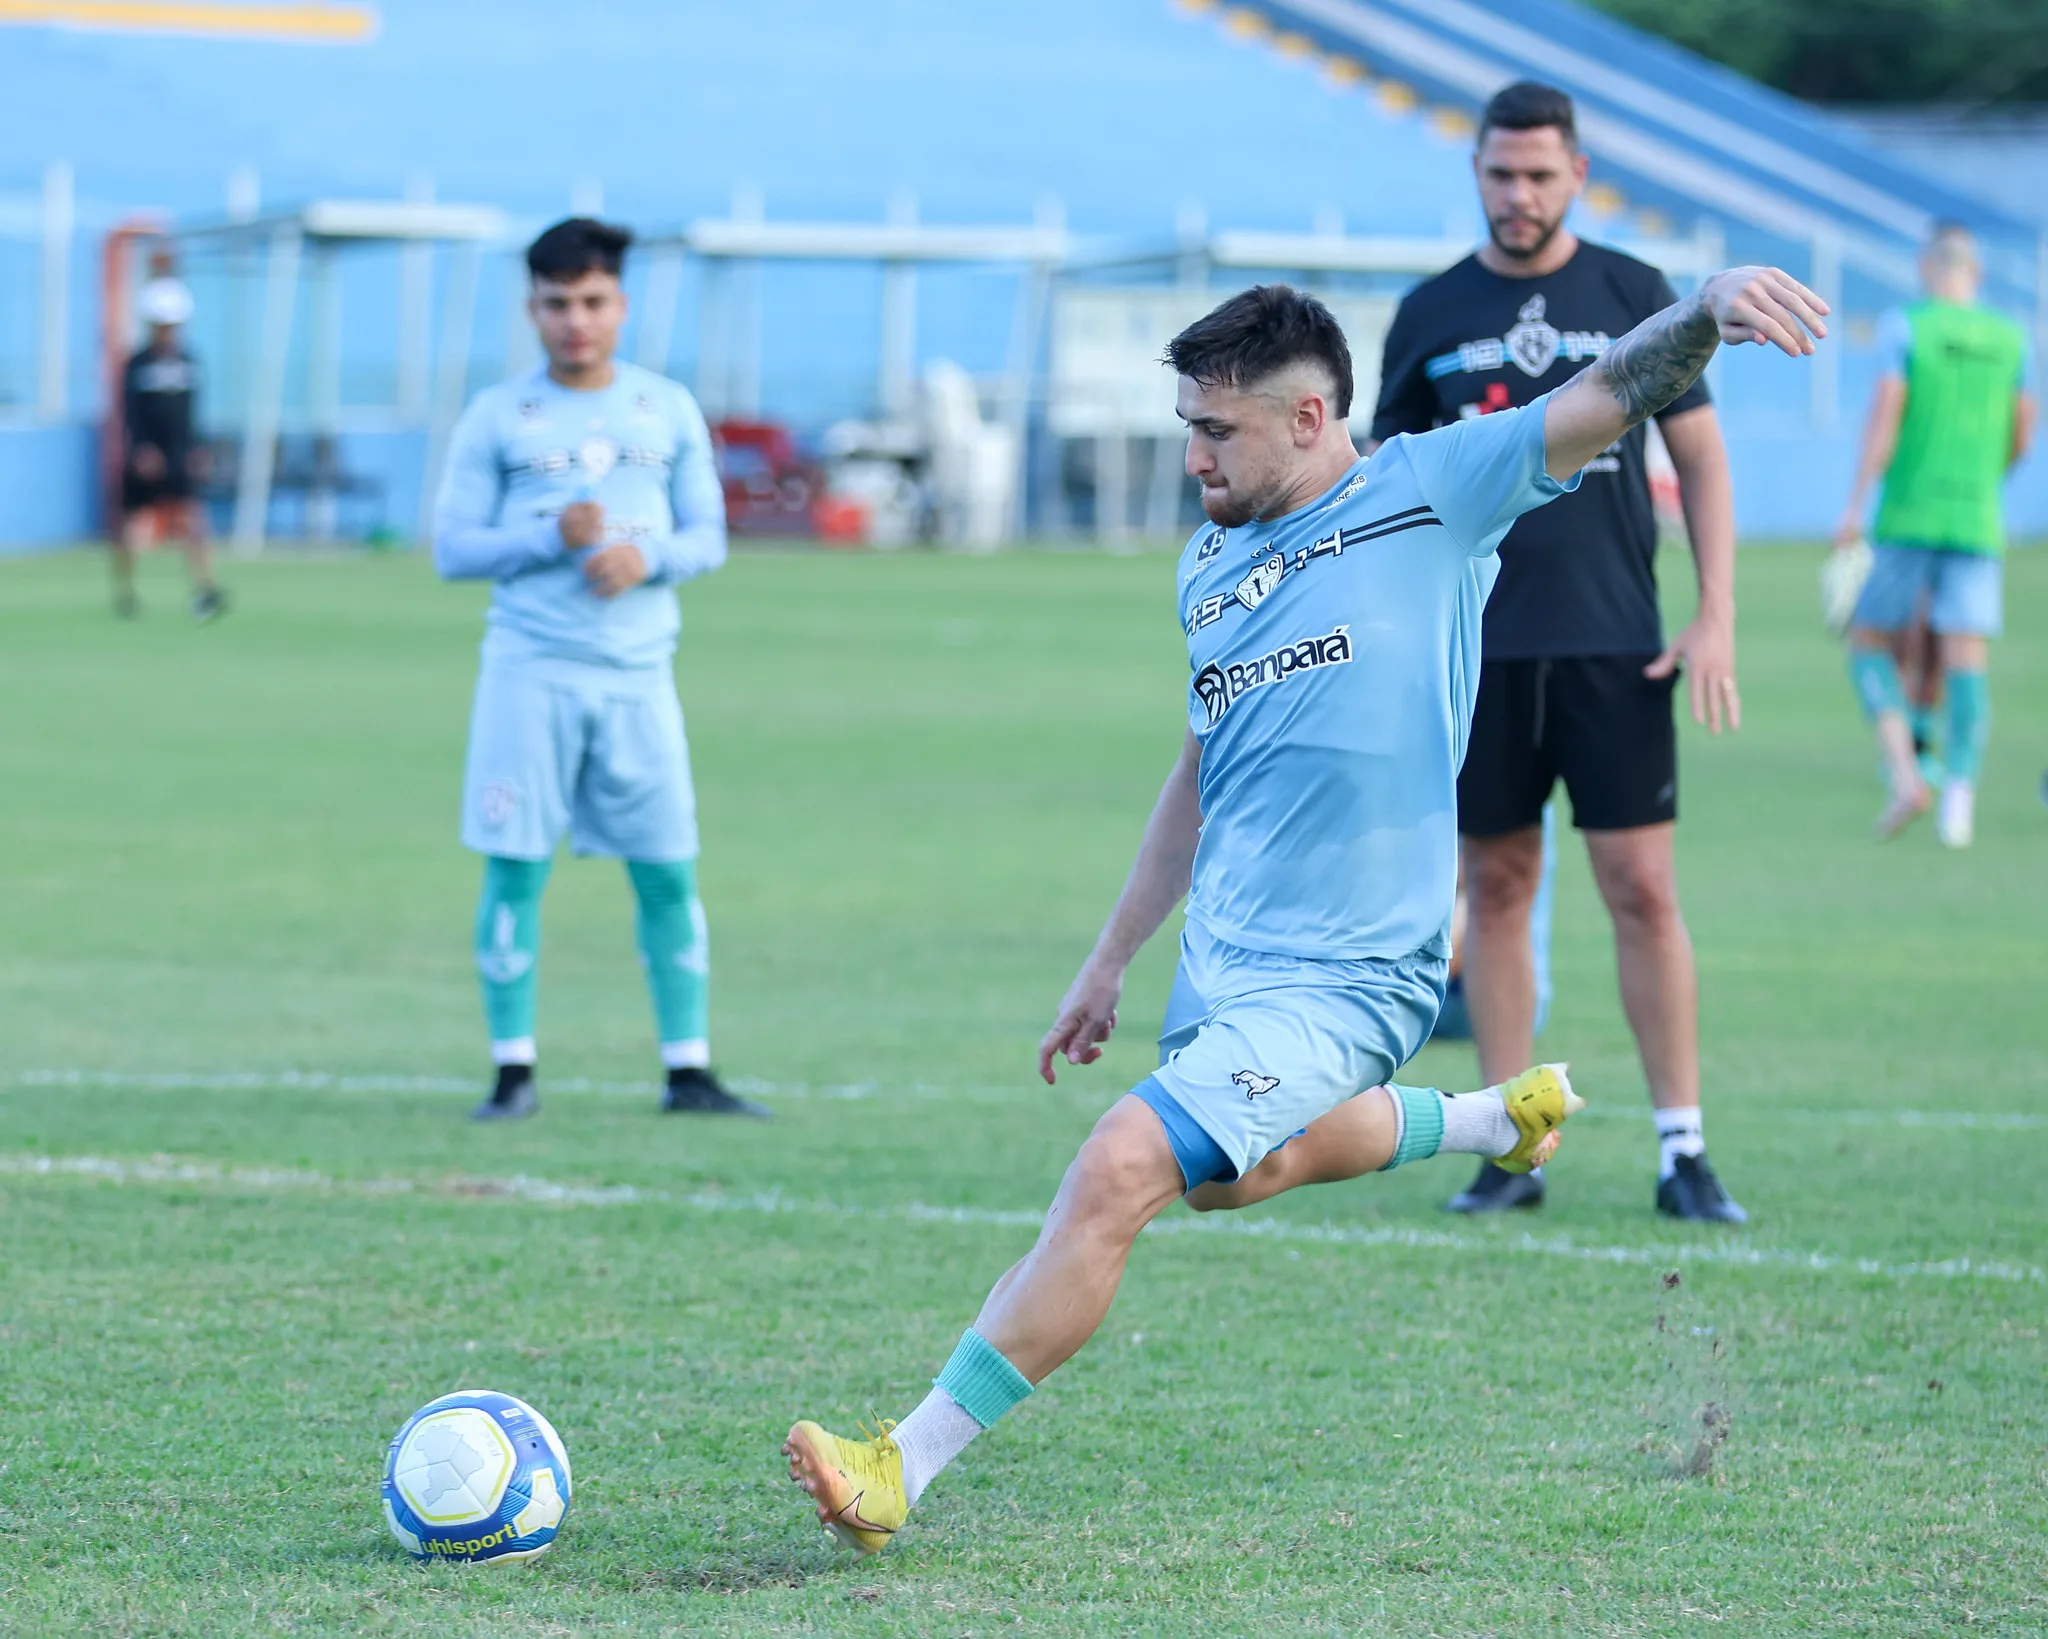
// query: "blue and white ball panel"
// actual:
[[476, 1475], [1256, 1046]]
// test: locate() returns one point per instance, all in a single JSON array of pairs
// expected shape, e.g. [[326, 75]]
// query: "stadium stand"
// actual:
[[1123, 113]]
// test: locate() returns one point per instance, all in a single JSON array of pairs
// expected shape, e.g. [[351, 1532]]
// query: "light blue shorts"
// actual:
[[596, 751], [1964, 592], [1257, 1046]]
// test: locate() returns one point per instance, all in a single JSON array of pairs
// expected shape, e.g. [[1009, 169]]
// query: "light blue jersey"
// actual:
[[1334, 659], [526, 449]]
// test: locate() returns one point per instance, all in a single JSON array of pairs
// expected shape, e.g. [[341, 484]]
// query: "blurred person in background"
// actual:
[[163, 461], [585, 491], [1576, 679], [1953, 413]]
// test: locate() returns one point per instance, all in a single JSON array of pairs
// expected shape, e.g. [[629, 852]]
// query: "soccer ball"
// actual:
[[476, 1475]]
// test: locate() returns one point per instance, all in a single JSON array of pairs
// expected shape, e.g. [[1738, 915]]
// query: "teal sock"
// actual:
[[1876, 676], [508, 945], [1922, 720], [981, 1381], [676, 951], [1422, 1124], [1969, 723]]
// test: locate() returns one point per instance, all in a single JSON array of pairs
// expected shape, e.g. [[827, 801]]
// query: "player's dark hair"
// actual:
[[1257, 334], [1530, 105], [580, 245]]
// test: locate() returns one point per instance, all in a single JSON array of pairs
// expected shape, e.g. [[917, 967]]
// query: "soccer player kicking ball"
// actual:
[[1333, 618], [586, 492]]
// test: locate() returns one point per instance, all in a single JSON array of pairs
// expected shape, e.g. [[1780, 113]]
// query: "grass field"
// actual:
[[247, 1229]]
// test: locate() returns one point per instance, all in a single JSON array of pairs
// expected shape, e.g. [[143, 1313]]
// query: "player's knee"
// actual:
[[1645, 898], [1500, 884], [1121, 1179]]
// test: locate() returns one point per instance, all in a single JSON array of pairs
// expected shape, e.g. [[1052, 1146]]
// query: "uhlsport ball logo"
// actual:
[[476, 1475]]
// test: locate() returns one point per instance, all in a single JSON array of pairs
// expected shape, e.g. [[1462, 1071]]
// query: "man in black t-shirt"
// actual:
[[162, 457], [1575, 676]]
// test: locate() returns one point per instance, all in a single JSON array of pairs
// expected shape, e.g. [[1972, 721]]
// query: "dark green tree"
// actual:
[[1968, 52]]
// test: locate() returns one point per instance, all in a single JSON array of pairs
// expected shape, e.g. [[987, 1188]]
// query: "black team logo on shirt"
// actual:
[[1221, 687]]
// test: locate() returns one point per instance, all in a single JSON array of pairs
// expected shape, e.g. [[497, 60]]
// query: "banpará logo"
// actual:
[[1254, 1084], [1210, 546], [1221, 687]]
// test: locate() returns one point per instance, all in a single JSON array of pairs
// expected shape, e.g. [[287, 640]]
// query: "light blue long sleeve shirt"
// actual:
[[526, 449]]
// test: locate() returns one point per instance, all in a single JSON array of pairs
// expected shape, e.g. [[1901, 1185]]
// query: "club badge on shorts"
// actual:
[[496, 803]]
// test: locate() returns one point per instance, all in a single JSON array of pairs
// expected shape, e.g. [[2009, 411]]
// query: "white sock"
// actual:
[[686, 1055], [519, 1050], [931, 1437], [1477, 1124], [1678, 1133]]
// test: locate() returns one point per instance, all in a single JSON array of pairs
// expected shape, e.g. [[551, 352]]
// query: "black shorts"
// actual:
[[138, 492], [1595, 721]]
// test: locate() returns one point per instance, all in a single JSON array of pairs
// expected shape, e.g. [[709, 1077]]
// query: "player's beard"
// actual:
[[1549, 232], [1228, 507], [1249, 495]]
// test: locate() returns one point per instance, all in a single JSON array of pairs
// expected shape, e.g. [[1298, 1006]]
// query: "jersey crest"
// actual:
[[1265, 575], [1534, 341]]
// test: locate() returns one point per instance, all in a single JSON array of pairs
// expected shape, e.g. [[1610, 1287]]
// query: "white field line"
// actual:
[[520, 1187], [233, 1081]]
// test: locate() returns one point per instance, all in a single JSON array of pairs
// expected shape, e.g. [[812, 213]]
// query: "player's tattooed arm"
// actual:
[[1658, 360], [1665, 354]]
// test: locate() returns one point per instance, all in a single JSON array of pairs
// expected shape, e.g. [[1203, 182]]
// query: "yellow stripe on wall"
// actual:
[[317, 22]]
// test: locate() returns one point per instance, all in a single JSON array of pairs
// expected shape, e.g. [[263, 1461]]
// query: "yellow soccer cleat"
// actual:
[[1537, 1100], [857, 1484]]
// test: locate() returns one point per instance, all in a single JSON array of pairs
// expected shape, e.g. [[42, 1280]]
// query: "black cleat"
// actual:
[[695, 1091], [1497, 1191], [514, 1098], [209, 603], [1692, 1191]]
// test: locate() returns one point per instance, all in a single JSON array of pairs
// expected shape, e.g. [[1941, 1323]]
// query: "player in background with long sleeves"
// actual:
[[586, 491], [1953, 412]]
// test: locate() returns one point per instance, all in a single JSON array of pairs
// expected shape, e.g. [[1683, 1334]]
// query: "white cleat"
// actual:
[[1955, 821]]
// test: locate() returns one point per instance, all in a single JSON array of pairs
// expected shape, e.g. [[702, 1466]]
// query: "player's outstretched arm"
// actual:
[[1665, 354], [1158, 881]]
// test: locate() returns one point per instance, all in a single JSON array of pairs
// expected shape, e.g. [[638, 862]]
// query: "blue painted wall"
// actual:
[[47, 480]]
